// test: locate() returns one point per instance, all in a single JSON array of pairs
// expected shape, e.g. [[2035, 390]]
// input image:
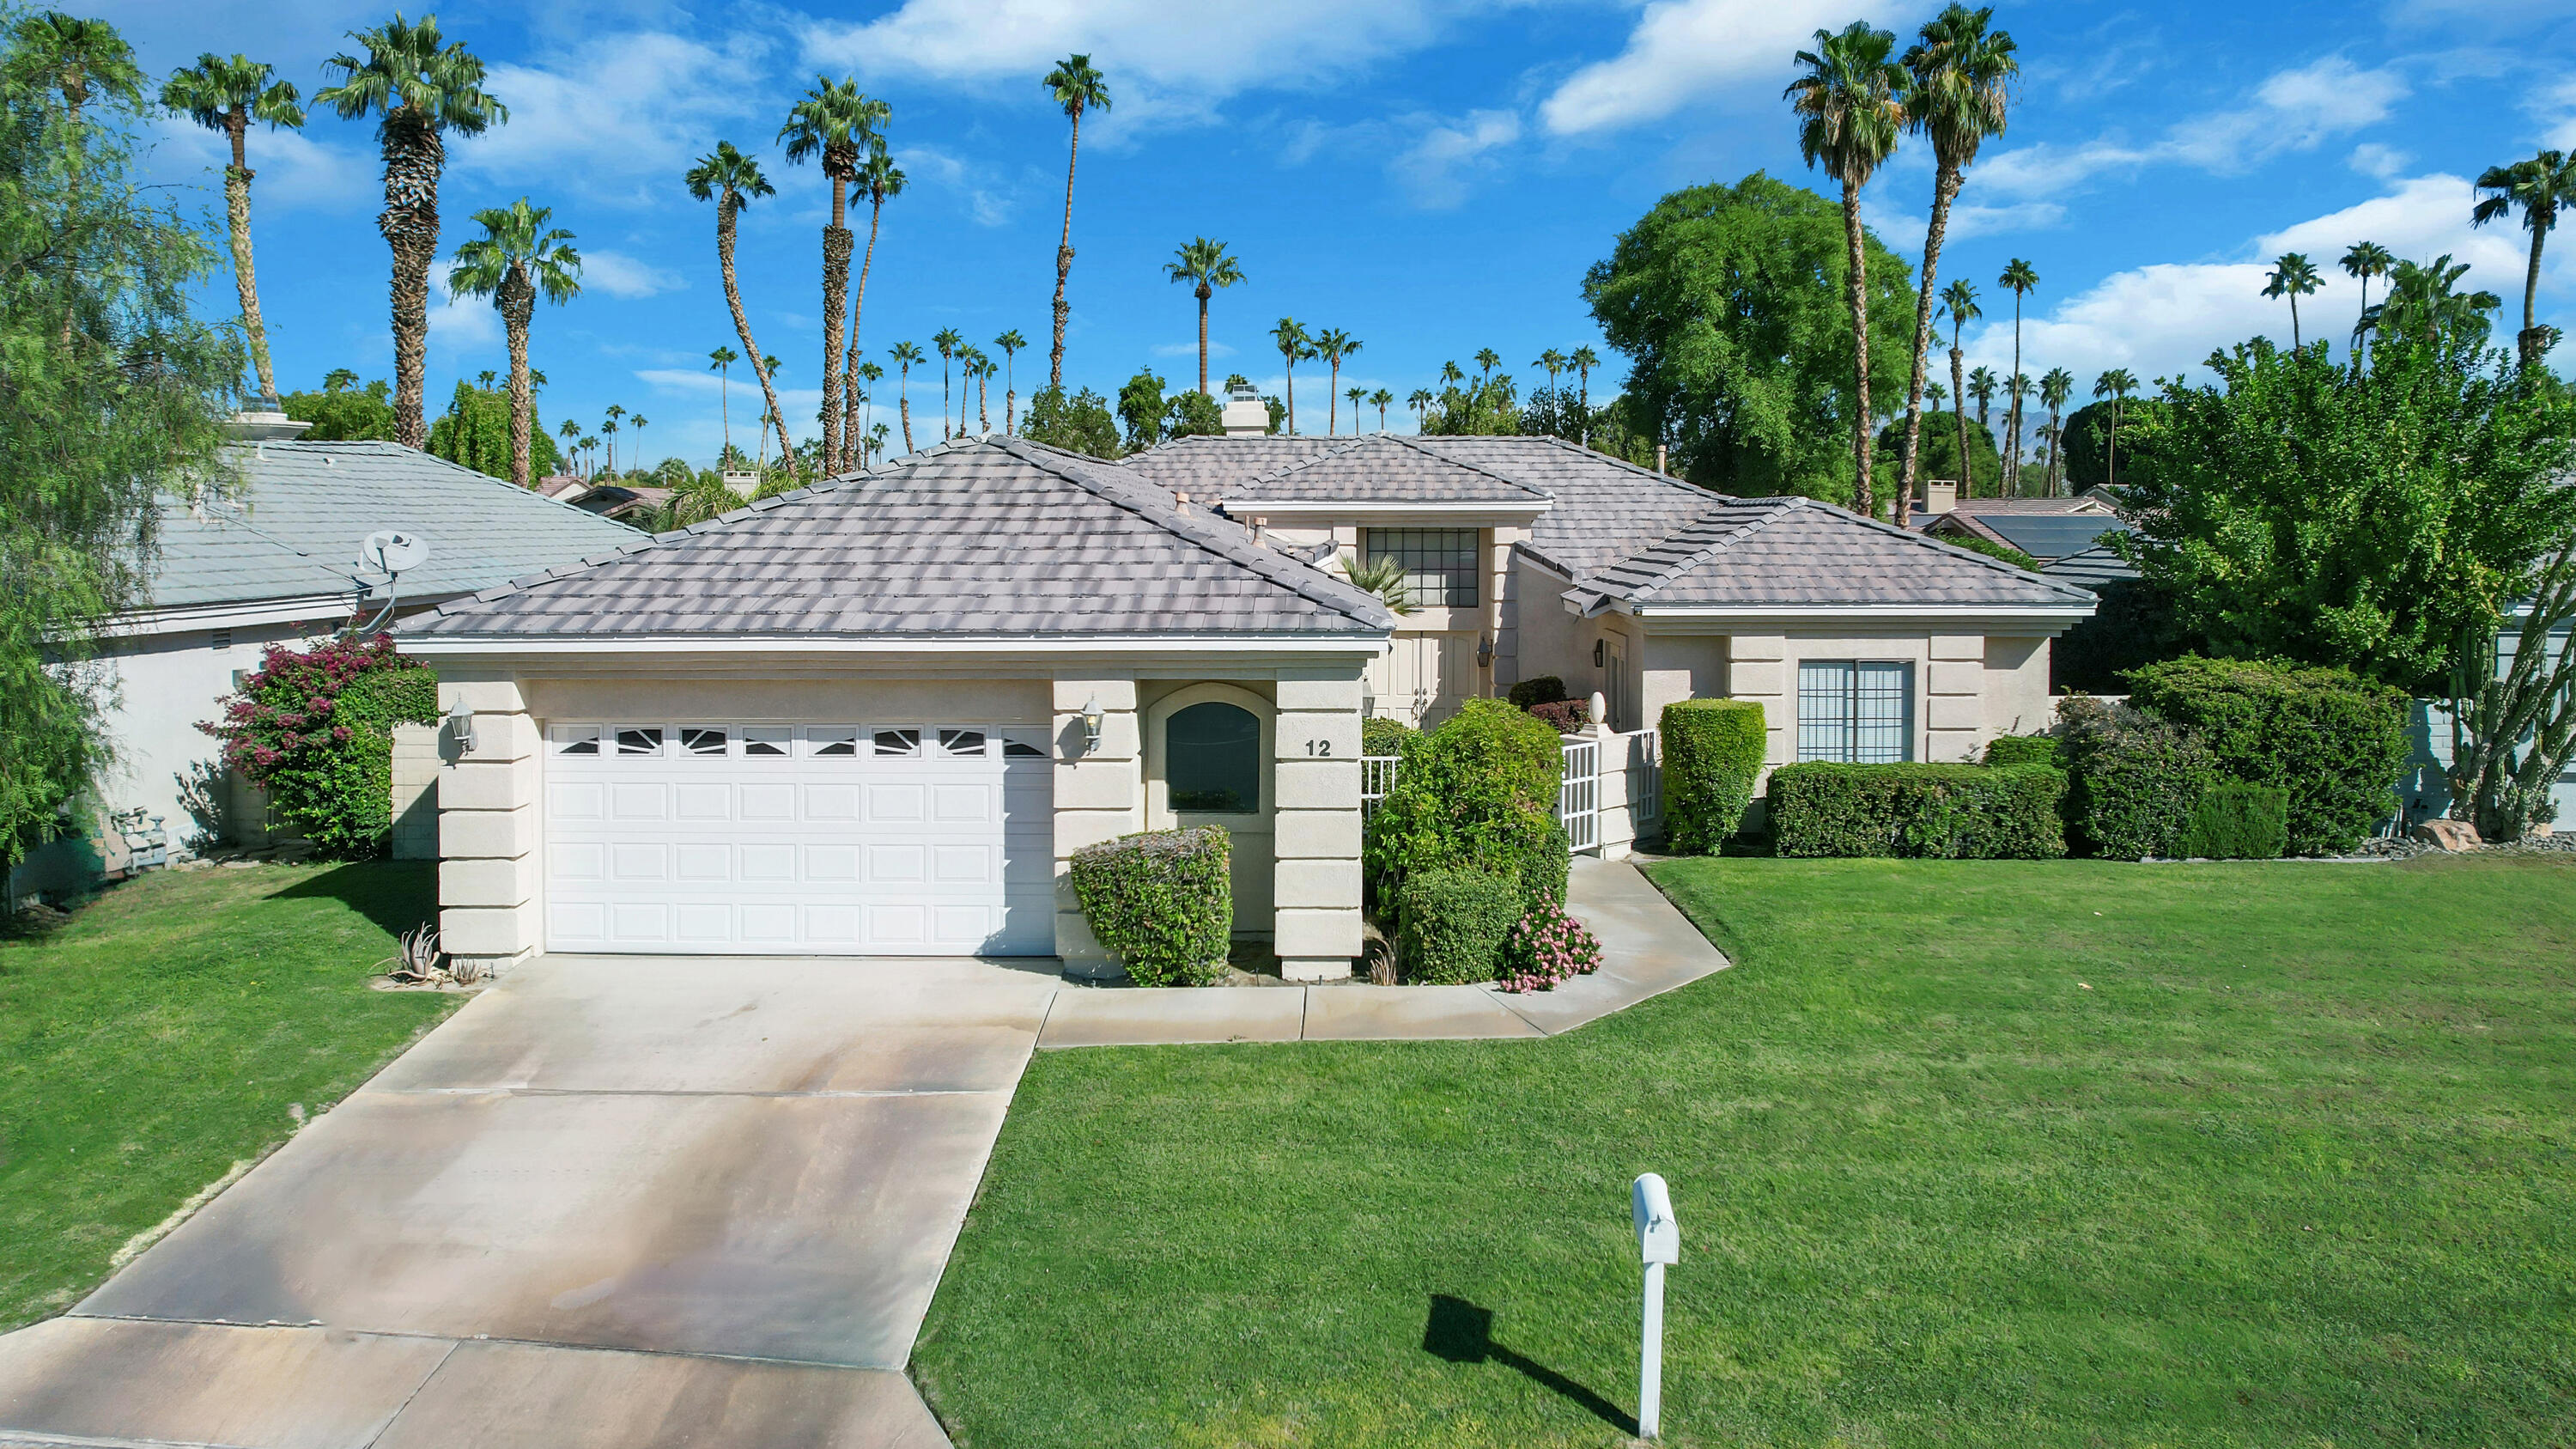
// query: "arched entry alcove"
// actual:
[[1208, 749]]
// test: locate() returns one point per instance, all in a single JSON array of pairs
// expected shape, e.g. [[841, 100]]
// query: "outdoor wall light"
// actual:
[[1091, 718], [1485, 652], [460, 724], [1600, 653]]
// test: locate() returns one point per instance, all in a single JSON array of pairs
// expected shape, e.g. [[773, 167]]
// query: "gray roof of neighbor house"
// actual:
[[1605, 509], [997, 536], [2092, 568], [2044, 536], [1202, 463], [303, 508], [1381, 468]]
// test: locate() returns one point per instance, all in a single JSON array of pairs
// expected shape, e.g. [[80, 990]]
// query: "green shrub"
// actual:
[[1565, 716], [1161, 902], [1712, 755], [2237, 821], [1455, 919], [2132, 779], [314, 728], [1382, 736], [2023, 750], [2334, 741], [1478, 791], [1546, 689], [1942, 812]]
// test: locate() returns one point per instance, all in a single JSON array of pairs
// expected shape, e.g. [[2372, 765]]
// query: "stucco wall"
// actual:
[[166, 684]]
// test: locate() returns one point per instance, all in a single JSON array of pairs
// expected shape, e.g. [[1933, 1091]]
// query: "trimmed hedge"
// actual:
[[1546, 689], [1455, 919], [2133, 779], [2334, 741], [1162, 902], [2236, 821], [1941, 812], [1479, 791], [1712, 754], [2024, 750]]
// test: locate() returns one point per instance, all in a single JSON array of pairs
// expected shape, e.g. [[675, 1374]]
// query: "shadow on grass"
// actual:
[[1461, 1332], [397, 895]]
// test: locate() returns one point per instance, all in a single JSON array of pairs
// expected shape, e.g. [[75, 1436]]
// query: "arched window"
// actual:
[[1212, 759]]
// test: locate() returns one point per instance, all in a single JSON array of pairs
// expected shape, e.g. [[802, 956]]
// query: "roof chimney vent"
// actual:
[[1246, 415], [262, 419]]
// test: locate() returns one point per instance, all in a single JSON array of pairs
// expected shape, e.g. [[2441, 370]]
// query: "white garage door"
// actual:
[[829, 839]]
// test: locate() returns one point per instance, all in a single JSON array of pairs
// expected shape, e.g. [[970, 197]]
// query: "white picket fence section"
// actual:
[[1578, 796], [1377, 776], [1612, 790]]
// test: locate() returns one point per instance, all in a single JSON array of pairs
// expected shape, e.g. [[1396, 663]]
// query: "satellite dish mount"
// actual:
[[392, 553]]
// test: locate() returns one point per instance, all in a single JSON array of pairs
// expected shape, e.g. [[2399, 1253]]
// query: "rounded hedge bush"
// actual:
[[2336, 742], [1712, 755], [1162, 902], [1455, 921]]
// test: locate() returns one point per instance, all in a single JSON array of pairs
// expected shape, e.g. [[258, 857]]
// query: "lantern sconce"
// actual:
[[460, 725], [1092, 717]]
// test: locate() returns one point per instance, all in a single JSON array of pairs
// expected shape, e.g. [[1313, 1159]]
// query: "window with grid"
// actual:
[[1439, 563], [1855, 712]]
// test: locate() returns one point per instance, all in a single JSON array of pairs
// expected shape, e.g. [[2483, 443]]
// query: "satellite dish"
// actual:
[[387, 551]]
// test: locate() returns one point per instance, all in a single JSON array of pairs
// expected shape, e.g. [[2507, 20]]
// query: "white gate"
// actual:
[[1578, 799]]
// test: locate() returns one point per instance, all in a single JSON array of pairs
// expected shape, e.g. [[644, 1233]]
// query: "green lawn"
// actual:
[[1964, 1153], [172, 1029]]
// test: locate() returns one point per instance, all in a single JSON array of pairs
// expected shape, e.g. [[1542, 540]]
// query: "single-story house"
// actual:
[[879, 714], [277, 562]]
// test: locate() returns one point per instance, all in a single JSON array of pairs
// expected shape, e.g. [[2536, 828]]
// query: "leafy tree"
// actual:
[[1076, 86], [2539, 188], [1140, 407], [342, 412], [1205, 266], [516, 260], [1850, 104], [731, 180], [1958, 94], [113, 393], [1729, 302], [1490, 407], [2090, 459], [1189, 412], [2300, 510], [480, 430], [1078, 424], [1939, 456], [228, 96]]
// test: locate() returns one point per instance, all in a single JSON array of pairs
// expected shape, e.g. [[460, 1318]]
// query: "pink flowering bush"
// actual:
[[1547, 946], [314, 728]]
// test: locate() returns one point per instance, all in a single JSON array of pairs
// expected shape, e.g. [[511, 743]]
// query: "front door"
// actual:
[[1215, 772]]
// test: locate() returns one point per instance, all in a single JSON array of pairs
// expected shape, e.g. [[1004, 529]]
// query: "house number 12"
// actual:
[[1319, 747]]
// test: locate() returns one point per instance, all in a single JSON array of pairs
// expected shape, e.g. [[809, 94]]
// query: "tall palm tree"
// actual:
[[1487, 359], [1551, 362], [1583, 360], [2022, 279], [970, 368], [2018, 388], [420, 89], [2539, 188], [1011, 342], [2293, 276], [947, 340], [1935, 394], [871, 374], [1983, 385], [1959, 300], [2055, 388], [1961, 74], [1205, 266], [1420, 401], [1333, 344], [1294, 347], [516, 260], [637, 423], [614, 413], [731, 180], [904, 355], [76, 57], [1357, 395], [227, 96], [984, 370], [570, 432], [877, 439], [1075, 86], [1850, 104], [720, 362], [2364, 261], [2116, 385], [880, 180], [838, 124], [1383, 399], [2424, 304]]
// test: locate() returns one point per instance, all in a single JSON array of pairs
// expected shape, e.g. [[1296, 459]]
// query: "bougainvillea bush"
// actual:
[[1546, 946], [314, 728]]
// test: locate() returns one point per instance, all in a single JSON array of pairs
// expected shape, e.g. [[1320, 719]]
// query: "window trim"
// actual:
[[1855, 722], [1476, 564]]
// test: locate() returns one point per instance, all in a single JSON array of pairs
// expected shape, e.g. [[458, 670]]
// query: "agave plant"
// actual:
[[416, 961], [1383, 577]]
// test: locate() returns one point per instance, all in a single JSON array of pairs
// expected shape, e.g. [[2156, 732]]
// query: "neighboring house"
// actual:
[[878, 715], [2094, 568], [277, 563], [2047, 529]]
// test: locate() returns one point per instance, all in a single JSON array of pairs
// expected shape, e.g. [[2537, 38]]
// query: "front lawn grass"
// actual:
[[1987, 1153], [171, 1029]]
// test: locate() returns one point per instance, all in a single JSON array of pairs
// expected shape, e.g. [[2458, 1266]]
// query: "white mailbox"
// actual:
[[1659, 1238], [1659, 1242]]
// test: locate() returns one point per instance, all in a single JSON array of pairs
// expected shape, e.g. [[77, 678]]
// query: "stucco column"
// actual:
[[489, 887], [1757, 668], [1503, 611], [1954, 708], [1315, 923], [1099, 795]]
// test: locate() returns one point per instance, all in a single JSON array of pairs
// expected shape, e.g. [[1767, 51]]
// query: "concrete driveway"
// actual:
[[613, 1201]]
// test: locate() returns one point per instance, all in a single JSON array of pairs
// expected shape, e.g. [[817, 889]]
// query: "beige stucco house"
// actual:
[[877, 716]]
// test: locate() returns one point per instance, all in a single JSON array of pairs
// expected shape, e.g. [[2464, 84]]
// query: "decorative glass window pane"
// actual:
[[639, 742], [898, 742], [703, 740], [1855, 713], [576, 739], [1212, 759], [838, 742], [1439, 563], [1019, 749], [767, 742], [961, 742]]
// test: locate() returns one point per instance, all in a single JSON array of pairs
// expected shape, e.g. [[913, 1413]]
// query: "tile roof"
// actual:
[[2093, 568], [995, 536], [1202, 464], [1381, 468], [303, 509], [1605, 509], [2044, 536]]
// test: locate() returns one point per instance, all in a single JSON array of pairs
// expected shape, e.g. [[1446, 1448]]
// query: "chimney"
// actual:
[[263, 420], [1940, 495], [1246, 415]]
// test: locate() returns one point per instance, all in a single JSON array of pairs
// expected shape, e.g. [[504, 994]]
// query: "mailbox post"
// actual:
[[1659, 1242]]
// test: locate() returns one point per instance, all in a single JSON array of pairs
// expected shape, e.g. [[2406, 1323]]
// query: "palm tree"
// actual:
[[2022, 278], [2424, 304], [904, 355], [970, 367], [1983, 385], [1850, 107], [420, 90], [871, 374], [1357, 395], [227, 96], [1487, 359], [614, 413], [2017, 387], [1420, 401], [2116, 385], [2539, 188], [1960, 78], [1011, 342], [570, 432], [731, 180], [879, 180], [2293, 276], [1935, 394], [1583, 361], [838, 124], [721, 362], [76, 56], [1959, 300], [1333, 344], [1076, 87], [517, 259], [637, 423], [2364, 261], [1552, 362], [1204, 265], [1383, 398], [2055, 388], [947, 340], [1294, 347]]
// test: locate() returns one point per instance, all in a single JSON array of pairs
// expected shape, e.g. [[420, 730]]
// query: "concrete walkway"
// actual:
[[625, 1203]]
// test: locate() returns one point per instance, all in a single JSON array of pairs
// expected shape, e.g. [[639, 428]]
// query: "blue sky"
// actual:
[[1431, 175]]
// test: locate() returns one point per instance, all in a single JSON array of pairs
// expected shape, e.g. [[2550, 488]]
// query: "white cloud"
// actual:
[[1437, 167], [2557, 110], [1681, 49], [986, 200], [1190, 349], [620, 115], [290, 170], [620, 275], [1968, 221], [2372, 159]]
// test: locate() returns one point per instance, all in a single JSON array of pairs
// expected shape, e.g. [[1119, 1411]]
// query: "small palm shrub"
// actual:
[[1546, 946]]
